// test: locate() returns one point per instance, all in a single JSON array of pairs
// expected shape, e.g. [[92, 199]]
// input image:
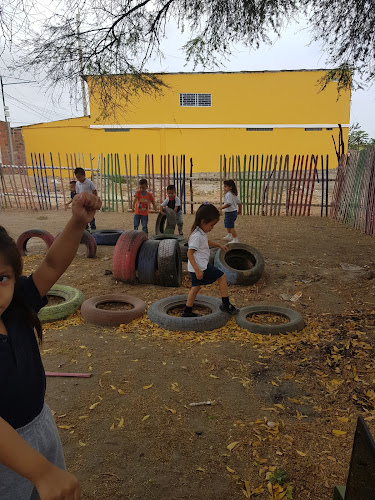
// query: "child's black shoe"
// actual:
[[186, 314], [229, 308]]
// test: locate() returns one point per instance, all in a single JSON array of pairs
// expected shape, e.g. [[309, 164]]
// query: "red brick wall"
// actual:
[[18, 145]]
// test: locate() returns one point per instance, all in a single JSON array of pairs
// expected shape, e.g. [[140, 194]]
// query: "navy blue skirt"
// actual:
[[210, 275]]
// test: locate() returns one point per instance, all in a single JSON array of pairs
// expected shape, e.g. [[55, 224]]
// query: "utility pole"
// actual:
[[80, 57], [7, 124]]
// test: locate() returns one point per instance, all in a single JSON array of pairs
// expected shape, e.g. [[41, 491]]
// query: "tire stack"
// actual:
[[155, 261]]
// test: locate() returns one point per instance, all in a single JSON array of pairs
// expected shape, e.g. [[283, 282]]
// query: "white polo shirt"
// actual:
[[232, 200], [86, 186], [198, 241]]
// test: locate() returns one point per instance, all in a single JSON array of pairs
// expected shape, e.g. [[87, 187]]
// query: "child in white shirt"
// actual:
[[231, 207], [201, 272]]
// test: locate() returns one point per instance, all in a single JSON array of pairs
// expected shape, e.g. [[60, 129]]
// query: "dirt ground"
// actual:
[[288, 402]]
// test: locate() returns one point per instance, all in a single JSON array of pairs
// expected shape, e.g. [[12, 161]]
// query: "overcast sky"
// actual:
[[31, 103]]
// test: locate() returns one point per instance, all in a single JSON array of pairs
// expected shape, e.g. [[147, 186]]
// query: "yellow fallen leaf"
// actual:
[[107, 372], [83, 347], [148, 386], [199, 469], [260, 489], [337, 432], [232, 445], [81, 443], [89, 354], [174, 387], [246, 491], [145, 417], [65, 426], [213, 376], [170, 409], [121, 423], [301, 453], [94, 405], [230, 470], [134, 360], [274, 383], [113, 387], [120, 391], [112, 428], [83, 417], [343, 419], [280, 406]]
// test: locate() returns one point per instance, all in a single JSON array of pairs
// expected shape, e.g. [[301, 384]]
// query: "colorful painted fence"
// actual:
[[272, 185], [353, 201], [45, 185]]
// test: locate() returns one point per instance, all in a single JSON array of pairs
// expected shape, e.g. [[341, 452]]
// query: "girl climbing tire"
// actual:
[[105, 317], [33, 233], [107, 236], [295, 323], [158, 313], [242, 264], [169, 263], [148, 261], [125, 255], [73, 298]]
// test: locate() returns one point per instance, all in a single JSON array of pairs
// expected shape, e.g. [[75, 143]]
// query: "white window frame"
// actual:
[[196, 100]]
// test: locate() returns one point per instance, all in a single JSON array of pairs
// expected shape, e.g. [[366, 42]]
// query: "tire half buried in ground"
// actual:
[[148, 261], [107, 236], [158, 313], [242, 264], [110, 317], [169, 263], [73, 298], [89, 242], [295, 321], [33, 233]]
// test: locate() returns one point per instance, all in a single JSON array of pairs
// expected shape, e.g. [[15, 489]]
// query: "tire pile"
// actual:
[[154, 261]]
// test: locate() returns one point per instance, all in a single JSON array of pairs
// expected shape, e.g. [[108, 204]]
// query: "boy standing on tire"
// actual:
[[141, 203], [173, 202], [84, 185]]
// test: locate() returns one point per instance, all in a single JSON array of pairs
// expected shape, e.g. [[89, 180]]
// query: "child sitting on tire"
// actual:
[[174, 202], [201, 272]]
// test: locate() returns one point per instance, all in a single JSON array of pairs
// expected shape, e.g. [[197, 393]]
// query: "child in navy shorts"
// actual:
[[201, 272], [231, 207]]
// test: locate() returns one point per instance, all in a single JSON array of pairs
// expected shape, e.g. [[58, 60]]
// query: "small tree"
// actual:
[[358, 138]]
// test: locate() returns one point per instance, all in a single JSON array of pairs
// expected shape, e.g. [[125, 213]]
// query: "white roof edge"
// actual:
[[218, 125]]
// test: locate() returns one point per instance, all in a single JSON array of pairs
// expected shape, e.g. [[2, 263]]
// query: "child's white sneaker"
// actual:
[[235, 240], [228, 237]]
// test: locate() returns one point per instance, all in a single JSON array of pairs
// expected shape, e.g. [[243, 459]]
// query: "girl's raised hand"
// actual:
[[84, 206], [58, 484]]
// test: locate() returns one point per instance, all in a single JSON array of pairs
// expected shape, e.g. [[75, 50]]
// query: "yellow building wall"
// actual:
[[258, 98]]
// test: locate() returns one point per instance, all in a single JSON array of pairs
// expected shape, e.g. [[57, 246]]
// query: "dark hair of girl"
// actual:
[[12, 256], [206, 213], [232, 185]]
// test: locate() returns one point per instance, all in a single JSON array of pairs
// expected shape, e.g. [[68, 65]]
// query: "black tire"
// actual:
[[73, 299], [158, 313], [166, 220], [107, 236], [184, 247], [165, 236], [295, 323], [148, 261], [242, 264], [169, 263]]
